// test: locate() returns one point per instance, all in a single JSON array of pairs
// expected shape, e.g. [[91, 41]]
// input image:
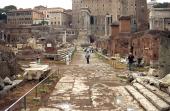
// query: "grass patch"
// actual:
[[113, 63], [141, 69]]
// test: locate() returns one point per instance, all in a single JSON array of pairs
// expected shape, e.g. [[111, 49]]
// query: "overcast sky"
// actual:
[[67, 4]]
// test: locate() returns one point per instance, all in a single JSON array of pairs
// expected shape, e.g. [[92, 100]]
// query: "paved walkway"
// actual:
[[89, 87]]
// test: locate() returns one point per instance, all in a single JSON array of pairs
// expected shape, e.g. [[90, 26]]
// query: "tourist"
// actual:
[[130, 61], [67, 59], [87, 55]]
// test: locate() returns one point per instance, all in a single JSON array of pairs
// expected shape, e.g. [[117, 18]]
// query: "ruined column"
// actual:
[[110, 22], [60, 19], [151, 23], [106, 25], [65, 37], [2, 32]]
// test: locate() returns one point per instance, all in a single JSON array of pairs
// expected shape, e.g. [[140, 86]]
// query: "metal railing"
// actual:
[[23, 99], [61, 54]]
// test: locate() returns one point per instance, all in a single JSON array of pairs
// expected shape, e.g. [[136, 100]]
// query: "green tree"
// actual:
[[162, 5], [10, 7], [44, 23], [4, 10], [3, 14]]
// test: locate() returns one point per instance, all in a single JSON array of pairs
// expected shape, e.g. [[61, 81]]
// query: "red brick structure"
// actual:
[[103, 44], [146, 45], [122, 40], [119, 41], [142, 16], [115, 32], [125, 25]]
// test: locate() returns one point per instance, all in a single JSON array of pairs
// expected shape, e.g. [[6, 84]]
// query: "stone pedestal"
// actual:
[[85, 20]]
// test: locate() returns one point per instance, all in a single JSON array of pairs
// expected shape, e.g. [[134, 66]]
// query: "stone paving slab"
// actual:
[[141, 99], [48, 109], [67, 79], [158, 102], [90, 87], [161, 94]]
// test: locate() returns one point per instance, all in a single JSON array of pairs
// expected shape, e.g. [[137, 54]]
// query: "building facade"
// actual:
[[56, 17], [159, 19], [59, 19], [152, 3], [24, 17], [104, 12], [42, 9], [14, 35]]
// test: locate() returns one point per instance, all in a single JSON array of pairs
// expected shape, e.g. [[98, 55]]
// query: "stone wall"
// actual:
[[146, 46], [164, 60], [159, 19], [4, 69], [8, 63], [122, 44]]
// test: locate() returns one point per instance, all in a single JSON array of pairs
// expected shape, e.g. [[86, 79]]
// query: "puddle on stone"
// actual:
[[131, 109], [119, 100], [65, 106]]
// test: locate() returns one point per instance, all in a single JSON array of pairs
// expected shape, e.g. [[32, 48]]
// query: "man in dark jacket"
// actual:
[[130, 61]]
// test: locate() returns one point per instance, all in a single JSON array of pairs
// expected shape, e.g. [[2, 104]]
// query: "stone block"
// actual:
[[141, 99], [158, 102], [49, 109]]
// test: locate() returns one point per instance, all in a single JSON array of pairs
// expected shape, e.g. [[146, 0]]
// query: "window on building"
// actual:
[[134, 21], [108, 20], [51, 23], [92, 20]]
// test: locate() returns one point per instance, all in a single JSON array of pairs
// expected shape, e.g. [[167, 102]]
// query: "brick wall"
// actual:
[[122, 45], [125, 25], [146, 45]]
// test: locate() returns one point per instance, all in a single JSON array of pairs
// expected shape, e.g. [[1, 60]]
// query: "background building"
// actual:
[[104, 13], [24, 17], [56, 17], [159, 19], [59, 19], [152, 3]]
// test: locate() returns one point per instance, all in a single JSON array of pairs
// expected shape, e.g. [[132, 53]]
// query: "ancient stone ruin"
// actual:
[[8, 63]]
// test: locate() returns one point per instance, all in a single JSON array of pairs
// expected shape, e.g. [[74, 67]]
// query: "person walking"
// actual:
[[130, 61], [87, 56]]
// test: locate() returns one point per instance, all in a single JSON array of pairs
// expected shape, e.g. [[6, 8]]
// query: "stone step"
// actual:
[[141, 99], [49, 109], [154, 99], [155, 90]]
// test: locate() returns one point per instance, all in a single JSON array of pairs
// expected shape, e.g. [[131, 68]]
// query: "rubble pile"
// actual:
[[28, 54], [8, 66], [149, 90], [36, 71], [151, 78]]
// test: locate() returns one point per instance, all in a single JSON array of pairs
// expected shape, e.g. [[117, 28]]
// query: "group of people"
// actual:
[[131, 61], [130, 58]]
